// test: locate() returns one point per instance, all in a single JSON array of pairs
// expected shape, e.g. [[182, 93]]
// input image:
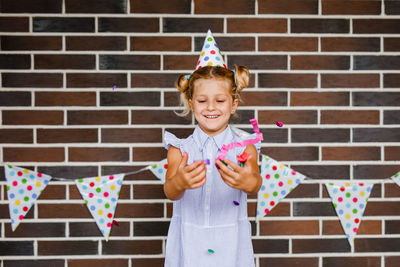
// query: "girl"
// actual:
[[209, 226]]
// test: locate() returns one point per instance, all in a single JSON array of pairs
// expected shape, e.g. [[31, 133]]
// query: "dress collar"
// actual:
[[219, 140]]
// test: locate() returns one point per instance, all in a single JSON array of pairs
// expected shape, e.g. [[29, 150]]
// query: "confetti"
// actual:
[[279, 124], [207, 161], [115, 222], [114, 87], [210, 250], [236, 203], [242, 158]]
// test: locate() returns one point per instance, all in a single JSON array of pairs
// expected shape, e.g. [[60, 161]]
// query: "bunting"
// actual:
[[23, 188], [101, 196], [277, 181], [349, 201]]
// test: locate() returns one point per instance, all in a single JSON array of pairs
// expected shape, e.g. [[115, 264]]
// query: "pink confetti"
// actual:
[[279, 124], [226, 148]]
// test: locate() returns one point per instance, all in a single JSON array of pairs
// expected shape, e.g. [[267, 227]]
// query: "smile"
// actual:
[[211, 116]]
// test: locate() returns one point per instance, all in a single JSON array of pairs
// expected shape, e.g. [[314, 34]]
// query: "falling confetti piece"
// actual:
[[211, 251], [114, 87], [115, 222], [279, 124], [236, 203]]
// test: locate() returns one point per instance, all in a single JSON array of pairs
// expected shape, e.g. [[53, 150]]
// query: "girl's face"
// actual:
[[212, 105]]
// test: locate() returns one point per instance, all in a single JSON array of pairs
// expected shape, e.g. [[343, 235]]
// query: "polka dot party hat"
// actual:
[[159, 169], [210, 54], [396, 178], [349, 201], [277, 182], [23, 189], [101, 196]]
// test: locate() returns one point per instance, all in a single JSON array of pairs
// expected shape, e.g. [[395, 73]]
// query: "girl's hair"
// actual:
[[239, 79]]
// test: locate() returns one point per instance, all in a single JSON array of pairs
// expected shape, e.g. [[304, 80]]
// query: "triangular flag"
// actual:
[[349, 201], [396, 178], [101, 196], [277, 182], [210, 54], [23, 189], [159, 169]]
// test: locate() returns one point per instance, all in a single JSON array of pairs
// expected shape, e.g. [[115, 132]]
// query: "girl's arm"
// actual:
[[181, 176], [246, 178]]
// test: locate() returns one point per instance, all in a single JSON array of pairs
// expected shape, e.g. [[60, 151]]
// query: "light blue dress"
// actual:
[[207, 229]]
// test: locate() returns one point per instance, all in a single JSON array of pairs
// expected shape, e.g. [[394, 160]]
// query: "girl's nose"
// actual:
[[211, 105]]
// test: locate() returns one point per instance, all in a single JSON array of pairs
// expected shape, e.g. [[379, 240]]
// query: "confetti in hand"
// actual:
[[279, 124]]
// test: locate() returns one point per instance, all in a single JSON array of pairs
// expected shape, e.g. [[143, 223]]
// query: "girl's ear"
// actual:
[[235, 105]]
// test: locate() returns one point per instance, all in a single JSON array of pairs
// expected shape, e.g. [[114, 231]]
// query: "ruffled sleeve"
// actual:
[[171, 140], [242, 135]]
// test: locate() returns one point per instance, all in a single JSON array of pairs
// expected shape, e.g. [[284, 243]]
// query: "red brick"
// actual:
[[376, 26], [287, 116], [382, 208], [319, 99], [351, 153], [288, 7], [287, 80], [155, 43], [128, 24], [130, 247], [65, 99], [291, 153], [293, 227], [67, 247], [365, 228], [89, 117], [256, 25], [44, 61], [94, 6], [29, 230], [368, 80], [392, 261], [158, 117], [24, 136], [286, 262], [350, 117], [142, 191], [91, 154], [180, 62], [392, 153], [350, 44], [155, 6], [352, 261], [154, 80], [264, 99], [320, 245], [259, 61], [44, 80], [14, 24], [391, 44], [53, 192], [96, 43], [26, 6], [131, 135], [312, 62], [66, 135], [63, 211], [148, 262], [95, 80], [149, 153], [351, 7], [98, 262], [391, 80], [38, 154], [144, 210], [319, 25], [31, 42], [221, 7], [287, 44]]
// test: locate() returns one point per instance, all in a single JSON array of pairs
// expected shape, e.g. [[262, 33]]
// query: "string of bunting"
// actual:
[[101, 193]]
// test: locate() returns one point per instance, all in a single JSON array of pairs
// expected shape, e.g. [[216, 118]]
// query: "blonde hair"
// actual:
[[239, 79]]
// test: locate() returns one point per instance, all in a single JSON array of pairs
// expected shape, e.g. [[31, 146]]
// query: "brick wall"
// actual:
[[328, 69]]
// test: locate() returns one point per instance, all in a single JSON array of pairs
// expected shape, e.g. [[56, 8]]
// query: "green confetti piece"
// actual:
[[210, 250]]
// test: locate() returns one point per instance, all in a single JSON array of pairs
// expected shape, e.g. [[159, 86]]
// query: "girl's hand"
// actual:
[[190, 176], [246, 178]]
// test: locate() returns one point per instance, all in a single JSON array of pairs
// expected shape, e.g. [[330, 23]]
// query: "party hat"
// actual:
[[210, 54]]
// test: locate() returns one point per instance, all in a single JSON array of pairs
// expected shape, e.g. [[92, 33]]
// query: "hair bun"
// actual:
[[242, 76]]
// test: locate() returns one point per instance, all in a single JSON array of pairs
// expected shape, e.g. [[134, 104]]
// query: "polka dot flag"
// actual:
[[210, 54], [349, 201], [277, 181], [101, 196], [159, 169], [23, 189], [396, 178]]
